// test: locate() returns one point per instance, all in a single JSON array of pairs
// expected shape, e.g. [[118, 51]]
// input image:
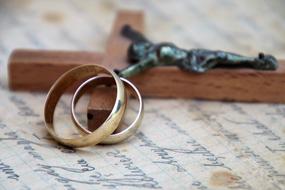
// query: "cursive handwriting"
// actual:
[[8, 171], [24, 109], [196, 148], [261, 162], [136, 175], [161, 152], [28, 144], [86, 174], [23, 142]]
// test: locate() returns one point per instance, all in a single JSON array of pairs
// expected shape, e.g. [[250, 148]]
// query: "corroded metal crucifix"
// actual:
[[239, 84], [143, 54]]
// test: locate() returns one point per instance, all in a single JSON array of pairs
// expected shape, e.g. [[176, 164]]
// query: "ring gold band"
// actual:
[[61, 85], [107, 80]]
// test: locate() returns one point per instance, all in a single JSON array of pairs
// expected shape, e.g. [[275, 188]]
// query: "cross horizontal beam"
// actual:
[[163, 82]]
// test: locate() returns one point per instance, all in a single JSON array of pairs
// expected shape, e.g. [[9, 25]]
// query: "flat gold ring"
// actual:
[[60, 86], [107, 80]]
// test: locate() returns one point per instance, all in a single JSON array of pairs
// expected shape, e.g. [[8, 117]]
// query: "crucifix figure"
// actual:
[[133, 56], [143, 54]]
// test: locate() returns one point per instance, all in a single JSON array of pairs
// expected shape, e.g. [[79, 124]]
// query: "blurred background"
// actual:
[[245, 27], [249, 138]]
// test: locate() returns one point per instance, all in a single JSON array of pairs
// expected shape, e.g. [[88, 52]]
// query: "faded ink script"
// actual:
[[182, 144]]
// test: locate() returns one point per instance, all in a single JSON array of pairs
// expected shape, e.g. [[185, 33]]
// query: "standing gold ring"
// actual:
[[68, 79], [107, 80]]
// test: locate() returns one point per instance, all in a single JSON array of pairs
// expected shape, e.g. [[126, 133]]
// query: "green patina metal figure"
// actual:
[[143, 54]]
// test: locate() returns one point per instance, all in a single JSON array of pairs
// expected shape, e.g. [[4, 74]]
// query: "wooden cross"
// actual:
[[36, 70]]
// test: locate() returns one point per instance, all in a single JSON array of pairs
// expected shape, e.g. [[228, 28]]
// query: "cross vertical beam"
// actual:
[[115, 57]]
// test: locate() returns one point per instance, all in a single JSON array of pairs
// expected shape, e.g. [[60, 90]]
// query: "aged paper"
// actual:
[[182, 144]]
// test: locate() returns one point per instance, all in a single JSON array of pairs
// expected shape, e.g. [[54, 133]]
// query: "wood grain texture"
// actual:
[[220, 84], [117, 45], [245, 85], [115, 58], [36, 70], [101, 104]]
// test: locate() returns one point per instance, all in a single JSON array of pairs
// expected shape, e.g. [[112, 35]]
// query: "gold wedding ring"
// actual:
[[107, 80], [68, 79]]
